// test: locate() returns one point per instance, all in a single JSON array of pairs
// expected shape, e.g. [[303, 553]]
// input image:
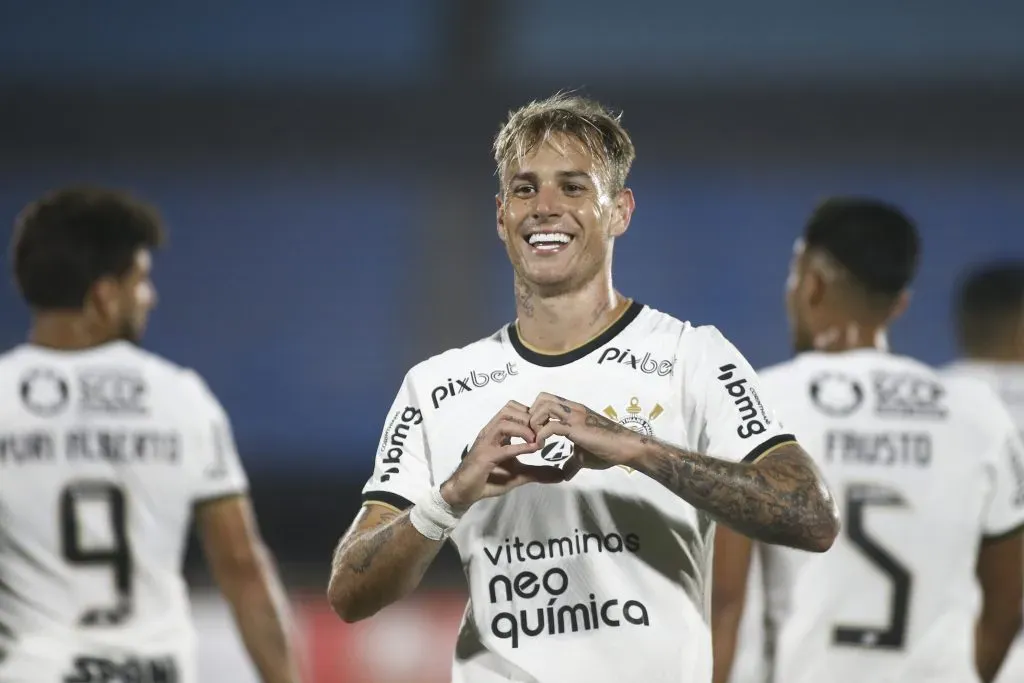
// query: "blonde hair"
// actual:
[[596, 128]]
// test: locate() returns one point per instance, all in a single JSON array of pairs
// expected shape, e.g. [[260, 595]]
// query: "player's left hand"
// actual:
[[599, 443]]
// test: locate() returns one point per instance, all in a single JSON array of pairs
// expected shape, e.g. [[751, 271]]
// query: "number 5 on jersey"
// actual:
[[860, 497]]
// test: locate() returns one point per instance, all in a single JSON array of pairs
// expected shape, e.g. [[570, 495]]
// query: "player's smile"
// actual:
[[548, 241]]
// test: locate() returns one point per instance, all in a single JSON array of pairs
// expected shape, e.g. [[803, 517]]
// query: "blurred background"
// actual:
[[325, 171]]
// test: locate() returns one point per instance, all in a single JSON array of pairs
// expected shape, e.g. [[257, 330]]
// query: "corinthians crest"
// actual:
[[635, 419]]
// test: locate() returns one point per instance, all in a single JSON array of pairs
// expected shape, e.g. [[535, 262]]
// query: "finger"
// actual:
[[517, 467], [513, 410], [540, 475], [553, 428], [544, 412], [517, 474], [516, 407], [514, 450], [564, 404], [506, 429]]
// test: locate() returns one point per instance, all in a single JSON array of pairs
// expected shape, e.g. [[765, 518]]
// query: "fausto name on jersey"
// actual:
[[744, 397], [475, 380]]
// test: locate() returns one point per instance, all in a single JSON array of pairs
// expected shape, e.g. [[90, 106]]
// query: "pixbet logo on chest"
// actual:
[[475, 380], [646, 364]]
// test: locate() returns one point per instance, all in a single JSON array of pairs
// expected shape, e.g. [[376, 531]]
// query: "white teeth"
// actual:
[[547, 237]]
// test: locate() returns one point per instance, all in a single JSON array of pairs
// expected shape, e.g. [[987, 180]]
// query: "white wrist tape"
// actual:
[[433, 517]]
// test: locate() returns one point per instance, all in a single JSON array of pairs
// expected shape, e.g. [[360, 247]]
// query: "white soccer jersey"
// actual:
[[1007, 379], [103, 453], [923, 467], [604, 577], [751, 661]]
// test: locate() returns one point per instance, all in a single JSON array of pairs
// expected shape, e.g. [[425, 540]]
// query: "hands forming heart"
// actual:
[[491, 466]]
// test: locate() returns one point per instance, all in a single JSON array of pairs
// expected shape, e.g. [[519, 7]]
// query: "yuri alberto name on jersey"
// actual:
[[41, 446]]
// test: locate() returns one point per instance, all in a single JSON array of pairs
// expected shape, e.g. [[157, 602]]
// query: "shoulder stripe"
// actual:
[[768, 446], [387, 499]]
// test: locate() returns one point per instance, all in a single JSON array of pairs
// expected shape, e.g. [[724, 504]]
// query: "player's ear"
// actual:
[[900, 306], [814, 287], [500, 216], [104, 299], [624, 206]]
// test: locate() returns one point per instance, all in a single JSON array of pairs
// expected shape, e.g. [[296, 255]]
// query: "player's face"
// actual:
[[557, 217], [796, 301], [137, 298]]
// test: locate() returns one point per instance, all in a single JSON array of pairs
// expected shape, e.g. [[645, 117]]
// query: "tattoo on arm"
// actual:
[[595, 420], [366, 550], [378, 564], [780, 500]]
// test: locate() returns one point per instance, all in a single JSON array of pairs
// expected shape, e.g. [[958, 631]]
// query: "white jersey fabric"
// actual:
[[103, 453], [752, 655], [1007, 379], [923, 466], [603, 578]]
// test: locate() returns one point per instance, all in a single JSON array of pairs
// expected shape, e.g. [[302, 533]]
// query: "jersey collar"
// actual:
[[551, 360]]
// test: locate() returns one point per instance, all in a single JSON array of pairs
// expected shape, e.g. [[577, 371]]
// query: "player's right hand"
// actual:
[[490, 467]]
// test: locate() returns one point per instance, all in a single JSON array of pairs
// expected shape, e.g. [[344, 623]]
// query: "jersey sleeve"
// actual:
[[215, 467], [1004, 514], [401, 470], [724, 401]]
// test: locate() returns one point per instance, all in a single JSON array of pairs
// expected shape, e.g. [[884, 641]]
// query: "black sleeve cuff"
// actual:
[[766, 446], [204, 500], [387, 498]]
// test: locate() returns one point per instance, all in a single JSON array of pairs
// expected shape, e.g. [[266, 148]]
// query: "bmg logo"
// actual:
[[744, 398]]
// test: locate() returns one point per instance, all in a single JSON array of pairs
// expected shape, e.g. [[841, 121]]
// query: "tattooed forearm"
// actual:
[[364, 551], [781, 500], [377, 565], [602, 422]]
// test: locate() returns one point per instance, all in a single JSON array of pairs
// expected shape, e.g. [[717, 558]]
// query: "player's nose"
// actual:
[[547, 202]]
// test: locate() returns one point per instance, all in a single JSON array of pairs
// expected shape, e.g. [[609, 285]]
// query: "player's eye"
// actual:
[[573, 188], [522, 190]]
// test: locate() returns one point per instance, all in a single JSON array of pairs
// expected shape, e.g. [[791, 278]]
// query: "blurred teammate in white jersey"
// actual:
[[107, 452], [925, 582], [601, 576], [989, 312]]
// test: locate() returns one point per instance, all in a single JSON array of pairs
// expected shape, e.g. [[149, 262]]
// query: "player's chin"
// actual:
[[549, 278], [549, 268]]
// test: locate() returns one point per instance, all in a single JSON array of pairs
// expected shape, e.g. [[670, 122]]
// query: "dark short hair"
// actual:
[[988, 296], [69, 239], [875, 241]]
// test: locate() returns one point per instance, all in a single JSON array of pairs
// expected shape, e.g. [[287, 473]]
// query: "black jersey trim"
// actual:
[[552, 360], [995, 538], [769, 445], [387, 498], [217, 497]]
